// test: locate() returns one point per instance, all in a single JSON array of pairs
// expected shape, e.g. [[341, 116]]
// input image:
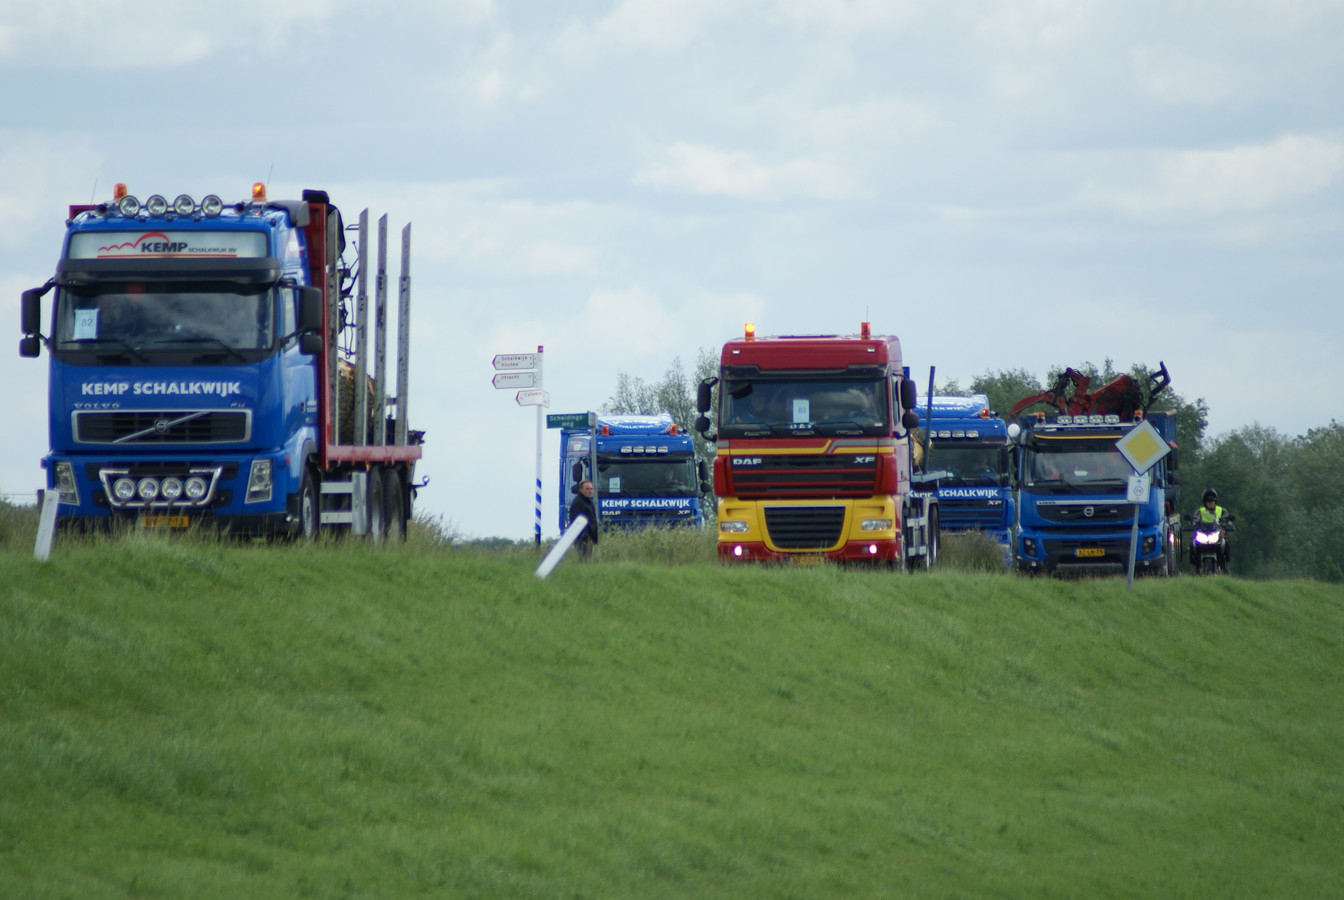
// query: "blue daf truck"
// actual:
[[969, 456], [198, 373], [647, 472]]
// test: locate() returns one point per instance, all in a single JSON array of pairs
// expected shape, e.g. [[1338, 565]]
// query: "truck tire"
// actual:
[[309, 514], [373, 505], [394, 505]]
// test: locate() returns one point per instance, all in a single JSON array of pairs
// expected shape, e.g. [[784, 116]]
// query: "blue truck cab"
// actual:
[[647, 472], [969, 456], [1074, 513], [193, 371]]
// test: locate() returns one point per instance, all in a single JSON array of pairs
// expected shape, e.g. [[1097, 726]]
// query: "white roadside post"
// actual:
[[523, 370], [46, 525], [562, 546], [1143, 446]]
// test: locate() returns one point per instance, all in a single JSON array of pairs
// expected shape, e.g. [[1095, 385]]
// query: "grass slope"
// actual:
[[195, 719]]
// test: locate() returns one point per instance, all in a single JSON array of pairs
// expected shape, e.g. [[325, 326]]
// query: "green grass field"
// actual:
[[191, 718]]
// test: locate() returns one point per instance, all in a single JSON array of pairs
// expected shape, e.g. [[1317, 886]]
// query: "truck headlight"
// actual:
[[148, 489], [171, 489], [733, 526], [124, 489], [64, 479], [196, 487], [259, 481], [875, 525]]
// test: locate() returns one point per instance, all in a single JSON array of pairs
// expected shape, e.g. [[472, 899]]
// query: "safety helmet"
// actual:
[[1210, 494]]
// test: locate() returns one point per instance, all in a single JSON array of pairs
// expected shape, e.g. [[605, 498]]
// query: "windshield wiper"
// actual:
[[108, 340], [204, 340]]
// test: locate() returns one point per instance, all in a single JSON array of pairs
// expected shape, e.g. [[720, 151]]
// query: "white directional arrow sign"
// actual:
[[533, 398], [514, 380], [513, 362]]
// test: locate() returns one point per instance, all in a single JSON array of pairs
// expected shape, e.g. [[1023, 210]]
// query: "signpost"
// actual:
[[524, 370], [514, 380], [532, 398], [1143, 447]]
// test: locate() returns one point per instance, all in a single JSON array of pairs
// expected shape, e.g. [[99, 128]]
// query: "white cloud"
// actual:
[[1176, 76], [700, 169], [1249, 178]]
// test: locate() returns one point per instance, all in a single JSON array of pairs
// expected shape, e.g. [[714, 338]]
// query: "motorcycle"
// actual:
[[1208, 547]]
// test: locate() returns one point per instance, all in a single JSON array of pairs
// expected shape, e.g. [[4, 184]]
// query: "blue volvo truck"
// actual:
[[1074, 515], [204, 359], [647, 472], [969, 457]]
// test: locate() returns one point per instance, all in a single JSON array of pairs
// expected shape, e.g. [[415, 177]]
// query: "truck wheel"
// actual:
[[394, 505], [373, 501], [309, 517]]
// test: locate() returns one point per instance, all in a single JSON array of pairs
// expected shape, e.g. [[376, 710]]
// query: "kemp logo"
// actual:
[[154, 243], [646, 503], [158, 388]]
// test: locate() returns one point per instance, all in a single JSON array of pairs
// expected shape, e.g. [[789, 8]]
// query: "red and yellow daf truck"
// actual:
[[813, 454]]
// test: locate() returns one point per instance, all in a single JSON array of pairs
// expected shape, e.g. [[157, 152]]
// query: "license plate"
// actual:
[[807, 560], [1089, 551], [164, 521]]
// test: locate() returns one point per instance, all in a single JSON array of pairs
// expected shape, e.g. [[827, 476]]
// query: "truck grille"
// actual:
[[1073, 513], [806, 475], [156, 427], [804, 527]]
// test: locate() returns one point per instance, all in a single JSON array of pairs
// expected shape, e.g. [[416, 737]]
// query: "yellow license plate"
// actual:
[[164, 521], [807, 560], [1089, 551]]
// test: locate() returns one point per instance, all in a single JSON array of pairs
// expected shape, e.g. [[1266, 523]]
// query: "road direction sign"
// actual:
[[571, 420], [513, 362], [514, 380], [533, 398]]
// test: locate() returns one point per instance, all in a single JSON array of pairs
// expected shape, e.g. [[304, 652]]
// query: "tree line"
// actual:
[[1287, 492]]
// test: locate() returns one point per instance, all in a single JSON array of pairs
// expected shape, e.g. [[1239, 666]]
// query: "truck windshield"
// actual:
[[165, 317], [1073, 464], [758, 407], [647, 477], [968, 463]]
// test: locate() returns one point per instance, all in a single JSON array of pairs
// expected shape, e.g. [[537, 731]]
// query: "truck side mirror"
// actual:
[[703, 399], [908, 399], [30, 346], [310, 344], [30, 311], [576, 472], [910, 420], [309, 309]]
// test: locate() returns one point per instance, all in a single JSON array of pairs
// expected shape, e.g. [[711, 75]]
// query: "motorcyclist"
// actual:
[[1211, 513]]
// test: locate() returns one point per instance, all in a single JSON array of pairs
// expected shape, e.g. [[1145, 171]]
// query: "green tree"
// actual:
[[674, 394], [1316, 525]]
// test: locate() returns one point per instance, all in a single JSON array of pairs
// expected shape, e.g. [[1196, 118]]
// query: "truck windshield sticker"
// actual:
[[614, 485], [802, 411], [86, 325], [168, 244]]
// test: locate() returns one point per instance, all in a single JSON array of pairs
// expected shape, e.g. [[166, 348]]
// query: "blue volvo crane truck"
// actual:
[[198, 373], [1075, 512], [647, 472], [969, 457]]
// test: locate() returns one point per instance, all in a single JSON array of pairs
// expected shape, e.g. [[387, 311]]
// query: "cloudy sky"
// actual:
[[1006, 184]]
